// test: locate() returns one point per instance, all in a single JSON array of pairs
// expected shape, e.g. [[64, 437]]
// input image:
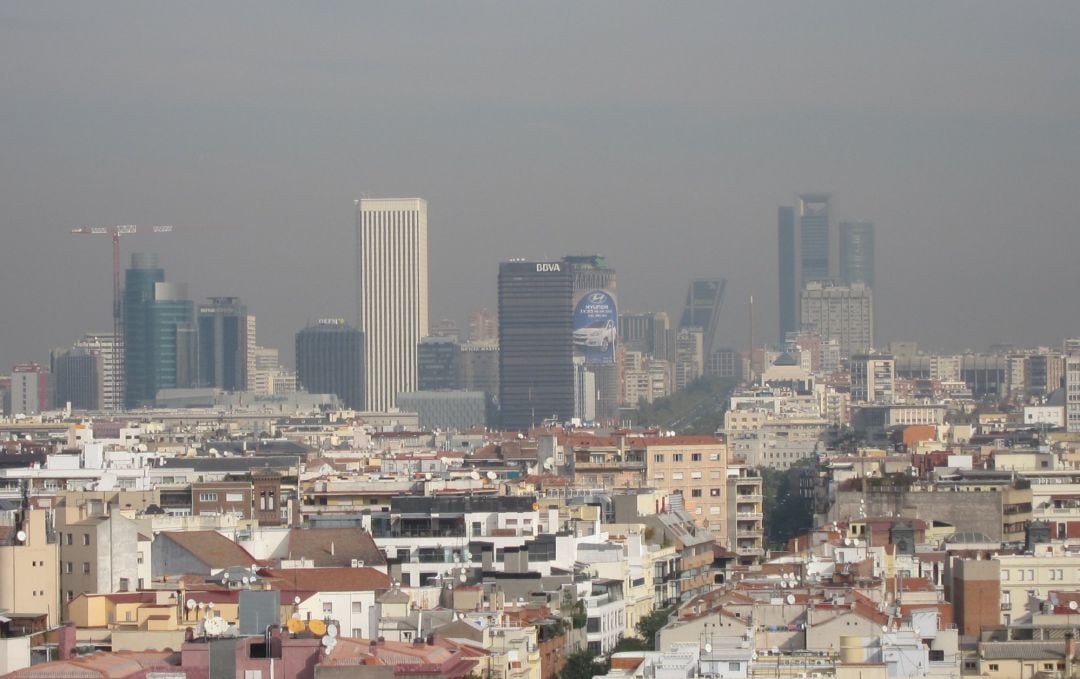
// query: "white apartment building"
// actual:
[[840, 312]]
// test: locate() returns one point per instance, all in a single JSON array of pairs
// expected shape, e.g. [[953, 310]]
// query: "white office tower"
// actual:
[[392, 294]]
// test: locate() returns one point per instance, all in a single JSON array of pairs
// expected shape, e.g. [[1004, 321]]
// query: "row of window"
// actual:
[[679, 457], [678, 476], [1028, 574], [85, 539]]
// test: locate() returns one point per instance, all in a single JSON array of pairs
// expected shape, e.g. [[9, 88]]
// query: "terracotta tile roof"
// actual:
[[328, 579], [334, 547], [117, 665], [212, 548]]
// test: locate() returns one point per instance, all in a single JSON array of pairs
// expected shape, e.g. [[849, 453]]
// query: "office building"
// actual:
[[815, 237], [483, 326], [689, 356], [223, 344], [437, 363], [252, 344], [1072, 393], [704, 298], [857, 253], [453, 410], [330, 360], [787, 270], [873, 379], [111, 350], [79, 378], [478, 368], [536, 345], [648, 333], [159, 333], [392, 294], [31, 389], [596, 335], [839, 312]]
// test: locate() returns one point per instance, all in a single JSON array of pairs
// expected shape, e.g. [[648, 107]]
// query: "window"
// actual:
[[70, 595], [125, 584], [86, 567], [937, 656], [357, 607], [714, 492], [252, 674], [68, 567], [1004, 575], [234, 497], [734, 666], [658, 457], [695, 457], [69, 539], [86, 539], [659, 476], [714, 457], [357, 633], [695, 475], [695, 492], [207, 497], [993, 667], [677, 457], [676, 476], [328, 607]]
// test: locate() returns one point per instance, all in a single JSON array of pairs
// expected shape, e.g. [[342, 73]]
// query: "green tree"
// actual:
[[583, 665], [787, 512], [651, 624]]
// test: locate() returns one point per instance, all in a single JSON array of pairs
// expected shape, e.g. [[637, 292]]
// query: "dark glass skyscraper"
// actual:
[[330, 360], [536, 374], [704, 298], [159, 333], [815, 239], [437, 366], [787, 268], [857, 253], [223, 344]]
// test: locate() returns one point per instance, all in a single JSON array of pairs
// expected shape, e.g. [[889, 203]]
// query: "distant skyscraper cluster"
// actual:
[[825, 274]]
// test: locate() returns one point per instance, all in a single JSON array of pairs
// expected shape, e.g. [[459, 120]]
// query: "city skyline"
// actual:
[[663, 166]]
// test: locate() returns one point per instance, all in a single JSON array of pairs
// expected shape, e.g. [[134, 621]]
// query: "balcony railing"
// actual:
[[749, 515]]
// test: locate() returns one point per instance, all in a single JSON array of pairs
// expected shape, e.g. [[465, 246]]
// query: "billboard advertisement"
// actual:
[[596, 324]]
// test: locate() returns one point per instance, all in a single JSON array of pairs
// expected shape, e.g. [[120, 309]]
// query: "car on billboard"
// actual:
[[598, 334]]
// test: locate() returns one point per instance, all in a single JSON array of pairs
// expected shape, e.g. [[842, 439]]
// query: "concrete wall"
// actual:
[[170, 558], [969, 511]]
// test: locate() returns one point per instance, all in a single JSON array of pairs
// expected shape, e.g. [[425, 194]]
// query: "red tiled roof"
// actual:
[[212, 548], [328, 579]]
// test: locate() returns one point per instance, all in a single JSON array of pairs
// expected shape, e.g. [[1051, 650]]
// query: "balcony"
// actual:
[[749, 516], [749, 551], [748, 531], [748, 497]]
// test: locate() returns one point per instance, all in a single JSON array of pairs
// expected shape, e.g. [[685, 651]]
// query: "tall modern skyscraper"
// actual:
[[788, 271], [78, 375], [857, 253], [223, 344], [159, 333], [392, 293], [536, 343], [815, 237], [330, 360], [704, 298]]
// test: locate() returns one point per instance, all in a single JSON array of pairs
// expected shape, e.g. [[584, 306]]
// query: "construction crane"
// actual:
[[115, 232]]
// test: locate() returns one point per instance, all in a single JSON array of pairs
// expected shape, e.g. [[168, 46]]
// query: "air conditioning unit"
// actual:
[[357, 563]]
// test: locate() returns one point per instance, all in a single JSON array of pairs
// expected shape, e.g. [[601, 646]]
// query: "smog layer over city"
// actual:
[[539, 340]]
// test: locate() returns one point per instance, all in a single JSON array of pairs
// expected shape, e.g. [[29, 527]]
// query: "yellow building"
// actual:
[[30, 565]]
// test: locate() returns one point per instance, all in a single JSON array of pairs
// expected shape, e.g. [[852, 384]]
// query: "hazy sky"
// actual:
[[663, 135]]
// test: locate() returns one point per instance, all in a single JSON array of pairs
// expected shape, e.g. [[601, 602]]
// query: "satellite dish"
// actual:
[[427, 476], [191, 604], [492, 476], [209, 604], [708, 648], [1073, 605], [790, 599], [295, 625], [296, 599], [331, 630], [317, 627], [884, 628], [245, 580], [549, 464], [202, 604], [21, 536], [463, 579], [474, 476], [328, 641]]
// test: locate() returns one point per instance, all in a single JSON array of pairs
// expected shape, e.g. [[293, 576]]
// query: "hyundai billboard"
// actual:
[[596, 324]]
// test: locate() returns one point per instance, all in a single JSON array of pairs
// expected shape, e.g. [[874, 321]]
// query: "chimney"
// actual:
[[1070, 653]]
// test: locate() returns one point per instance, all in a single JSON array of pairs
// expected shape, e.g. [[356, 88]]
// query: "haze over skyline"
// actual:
[[664, 140]]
